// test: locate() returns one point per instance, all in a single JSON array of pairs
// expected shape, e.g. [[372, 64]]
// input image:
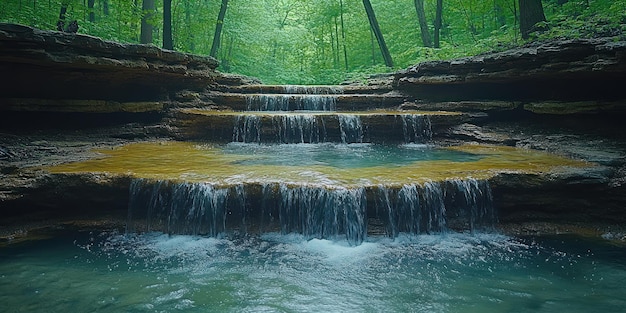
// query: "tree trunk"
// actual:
[[373, 46], [335, 44], [530, 13], [147, 8], [218, 28], [168, 42], [92, 13], [191, 45], [343, 37], [61, 21], [379, 35], [105, 7], [438, 23], [421, 17], [562, 2]]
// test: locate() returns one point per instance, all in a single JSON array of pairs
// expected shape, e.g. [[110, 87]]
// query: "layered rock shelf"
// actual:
[[548, 77], [72, 97]]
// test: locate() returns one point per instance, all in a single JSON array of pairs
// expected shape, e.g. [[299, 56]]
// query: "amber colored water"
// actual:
[[335, 164]]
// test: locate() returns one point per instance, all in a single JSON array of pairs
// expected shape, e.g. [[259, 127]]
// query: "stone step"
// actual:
[[377, 126], [307, 89], [292, 102]]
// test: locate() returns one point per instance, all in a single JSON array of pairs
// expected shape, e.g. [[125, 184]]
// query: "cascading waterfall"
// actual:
[[351, 128], [320, 212], [300, 128], [266, 102], [177, 208], [313, 90], [287, 128], [472, 204], [291, 102], [316, 211], [416, 128], [412, 209], [247, 129]]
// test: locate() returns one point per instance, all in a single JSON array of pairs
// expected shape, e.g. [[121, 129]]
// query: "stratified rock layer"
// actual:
[[570, 70], [56, 65]]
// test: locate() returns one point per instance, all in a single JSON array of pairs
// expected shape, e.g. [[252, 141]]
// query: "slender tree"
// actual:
[[530, 13], [421, 17], [168, 41], [438, 23], [105, 7], [378, 33], [148, 9], [190, 40], [92, 13], [218, 29], [61, 21], [343, 35]]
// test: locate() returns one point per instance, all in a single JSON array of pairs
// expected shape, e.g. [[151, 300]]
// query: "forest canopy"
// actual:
[[325, 41]]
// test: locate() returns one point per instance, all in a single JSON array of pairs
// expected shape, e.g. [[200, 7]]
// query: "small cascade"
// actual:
[[411, 209], [316, 211], [286, 128], [247, 129], [313, 90], [266, 102], [416, 128], [320, 212], [351, 128], [291, 102], [300, 128], [177, 208], [471, 204]]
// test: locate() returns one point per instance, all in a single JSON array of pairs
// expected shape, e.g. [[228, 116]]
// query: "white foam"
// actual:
[[340, 251]]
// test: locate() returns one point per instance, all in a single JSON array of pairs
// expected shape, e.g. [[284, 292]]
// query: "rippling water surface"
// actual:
[[109, 272]]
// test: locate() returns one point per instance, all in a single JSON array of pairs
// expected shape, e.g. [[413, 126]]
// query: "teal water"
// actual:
[[109, 272], [344, 156]]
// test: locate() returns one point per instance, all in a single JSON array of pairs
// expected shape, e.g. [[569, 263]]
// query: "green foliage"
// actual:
[[585, 19], [301, 42]]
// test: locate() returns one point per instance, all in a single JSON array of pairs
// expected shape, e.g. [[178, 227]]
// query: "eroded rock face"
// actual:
[[57, 65], [569, 70]]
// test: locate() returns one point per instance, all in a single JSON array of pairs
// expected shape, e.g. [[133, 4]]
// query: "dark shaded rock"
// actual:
[[83, 105], [233, 80], [567, 70], [57, 65], [463, 106], [576, 196], [576, 107], [471, 132], [72, 195]]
